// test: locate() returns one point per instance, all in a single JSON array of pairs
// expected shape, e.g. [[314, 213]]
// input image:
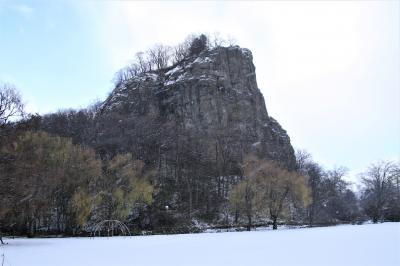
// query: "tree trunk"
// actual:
[[1, 237], [31, 229], [190, 203], [236, 216], [274, 223], [310, 218], [249, 222]]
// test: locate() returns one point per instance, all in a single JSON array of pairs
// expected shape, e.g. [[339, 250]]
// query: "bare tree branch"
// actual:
[[11, 105]]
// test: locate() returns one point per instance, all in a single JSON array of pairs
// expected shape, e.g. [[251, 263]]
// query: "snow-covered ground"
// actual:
[[370, 244]]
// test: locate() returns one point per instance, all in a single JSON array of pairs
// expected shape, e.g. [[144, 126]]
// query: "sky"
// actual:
[[329, 70]]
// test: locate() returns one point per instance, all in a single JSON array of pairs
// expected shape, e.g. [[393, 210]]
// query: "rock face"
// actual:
[[209, 103]]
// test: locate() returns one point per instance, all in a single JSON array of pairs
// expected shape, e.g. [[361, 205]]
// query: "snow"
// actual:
[[186, 77], [364, 245], [174, 70], [169, 82], [256, 143], [178, 73], [178, 79], [202, 60]]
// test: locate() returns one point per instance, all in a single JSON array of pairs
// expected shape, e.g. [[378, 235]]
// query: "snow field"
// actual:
[[369, 244]]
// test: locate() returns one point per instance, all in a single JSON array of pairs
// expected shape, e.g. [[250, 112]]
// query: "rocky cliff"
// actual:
[[208, 104]]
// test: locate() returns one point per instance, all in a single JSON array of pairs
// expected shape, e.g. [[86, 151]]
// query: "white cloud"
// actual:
[[23, 9]]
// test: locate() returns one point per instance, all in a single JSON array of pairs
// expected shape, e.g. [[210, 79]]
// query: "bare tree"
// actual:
[[217, 40], [133, 69], [119, 77], [180, 52], [231, 41], [11, 105], [141, 61], [378, 184], [394, 207], [303, 157], [160, 56], [315, 175], [340, 203]]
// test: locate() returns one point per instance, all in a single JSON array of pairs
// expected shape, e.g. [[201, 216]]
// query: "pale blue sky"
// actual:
[[329, 71]]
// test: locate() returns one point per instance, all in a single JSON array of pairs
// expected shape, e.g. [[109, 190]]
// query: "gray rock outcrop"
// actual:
[[211, 99]]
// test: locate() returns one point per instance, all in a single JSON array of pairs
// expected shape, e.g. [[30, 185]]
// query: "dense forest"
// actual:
[[59, 176]]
